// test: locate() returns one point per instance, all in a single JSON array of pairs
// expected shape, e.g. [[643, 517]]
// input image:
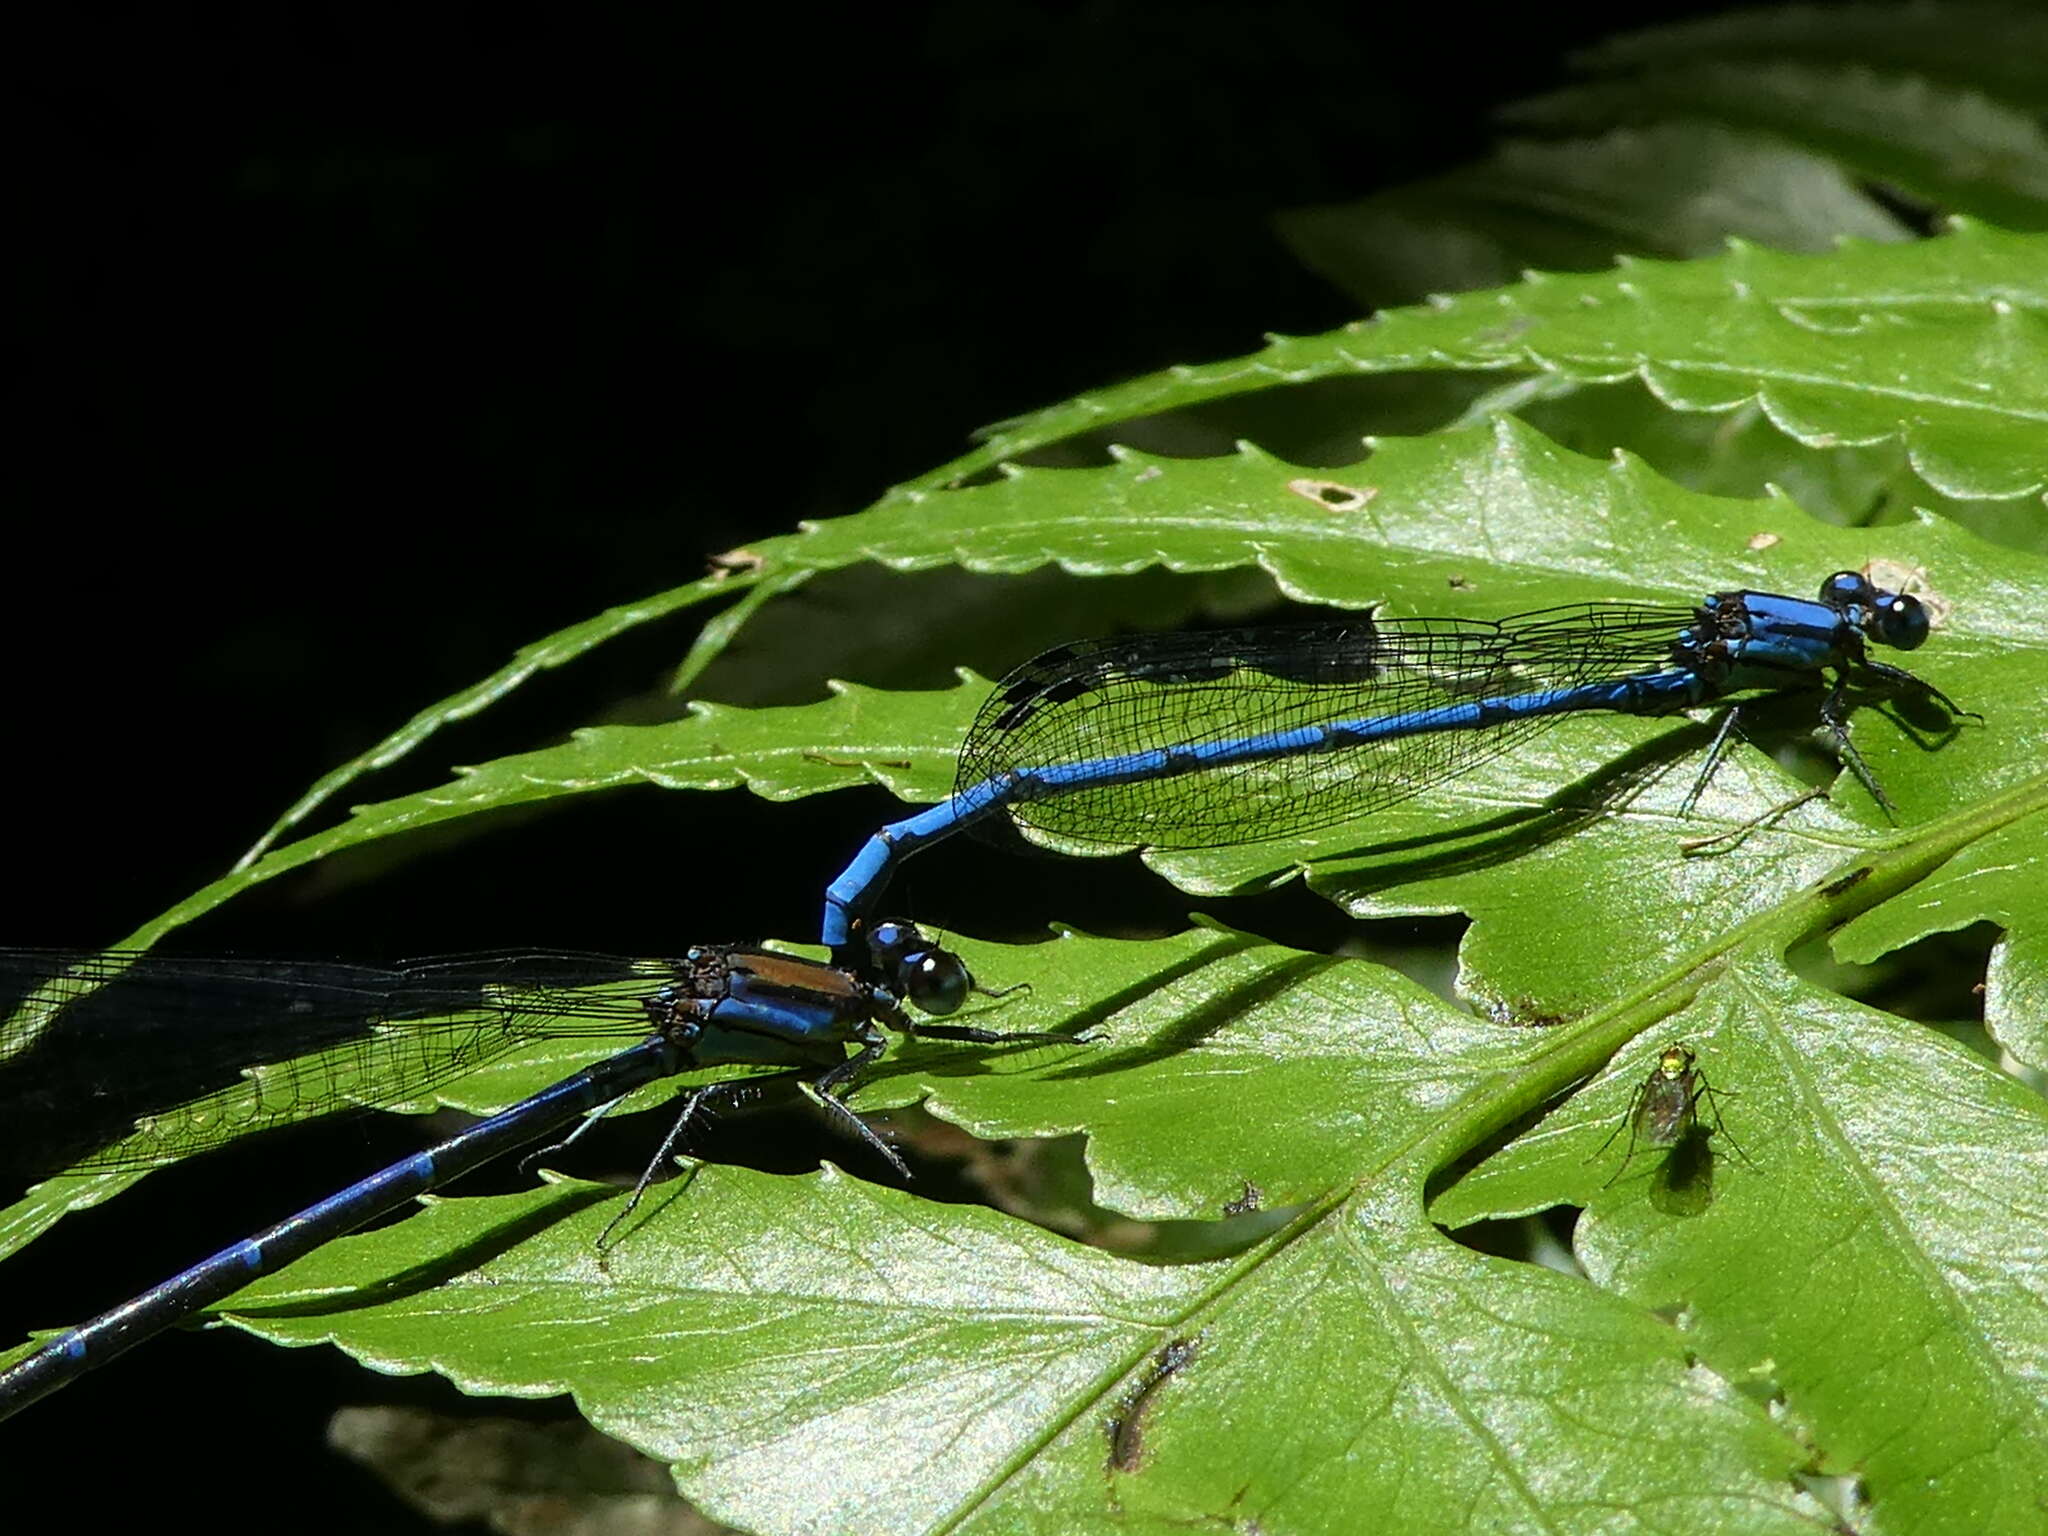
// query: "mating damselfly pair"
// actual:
[[1170, 741]]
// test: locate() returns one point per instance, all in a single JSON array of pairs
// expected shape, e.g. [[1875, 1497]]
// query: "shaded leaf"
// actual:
[[522, 1478], [1996, 880], [1956, 151], [1995, 48], [1671, 191]]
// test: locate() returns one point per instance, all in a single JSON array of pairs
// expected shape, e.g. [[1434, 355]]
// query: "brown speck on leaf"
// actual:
[[734, 562], [1334, 494]]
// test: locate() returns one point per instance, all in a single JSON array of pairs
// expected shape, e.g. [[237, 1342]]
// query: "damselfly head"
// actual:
[[1899, 620], [1890, 618], [933, 979]]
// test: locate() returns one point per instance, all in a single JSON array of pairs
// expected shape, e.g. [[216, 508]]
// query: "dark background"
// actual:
[[357, 348]]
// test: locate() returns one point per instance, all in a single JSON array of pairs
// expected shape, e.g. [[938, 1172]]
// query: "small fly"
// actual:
[[1665, 1110]]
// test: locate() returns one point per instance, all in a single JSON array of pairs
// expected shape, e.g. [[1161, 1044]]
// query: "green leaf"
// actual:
[[1957, 151], [1671, 190], [556, 650], [743, 1323], [1741, 454], [1868, 1257], [1995, 48], [1025, 1348], [1940, 343], [890, 629], [1996, 880]]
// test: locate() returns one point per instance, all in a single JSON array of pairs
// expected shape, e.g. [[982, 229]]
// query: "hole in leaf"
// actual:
[[1542, 1238], [1937, 981], [1841, 1496]]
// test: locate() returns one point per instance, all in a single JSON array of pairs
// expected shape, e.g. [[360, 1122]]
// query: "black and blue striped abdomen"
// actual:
[[1205, 739]]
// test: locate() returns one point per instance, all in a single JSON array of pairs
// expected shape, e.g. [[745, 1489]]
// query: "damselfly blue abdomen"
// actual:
[[1230, 736], [367, 1036]]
